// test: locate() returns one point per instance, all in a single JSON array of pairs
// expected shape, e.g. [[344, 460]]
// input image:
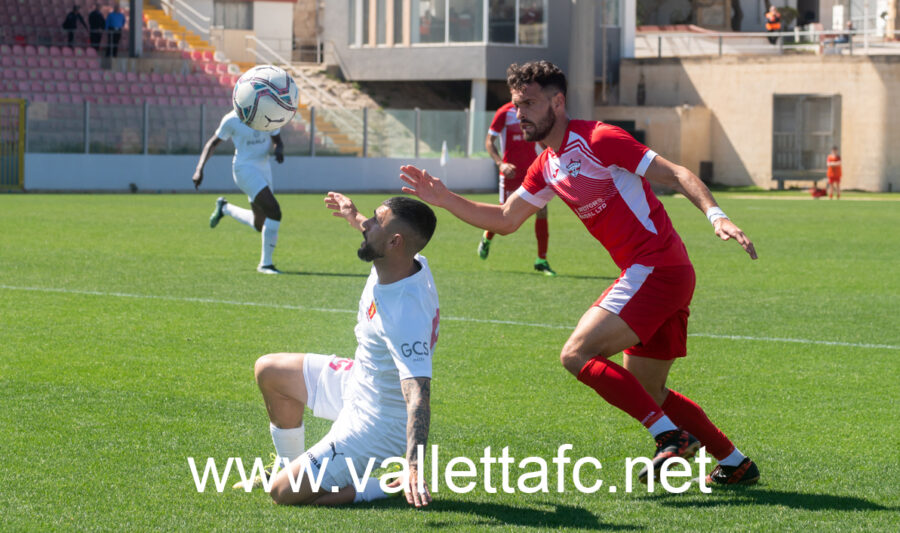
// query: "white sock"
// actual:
[[733, 459], [661, 426], [244, 216], [371, 492], [269, 239], [288, 442]]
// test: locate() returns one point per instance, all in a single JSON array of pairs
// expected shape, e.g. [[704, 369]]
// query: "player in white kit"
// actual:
[[379, 400], [253, 174]]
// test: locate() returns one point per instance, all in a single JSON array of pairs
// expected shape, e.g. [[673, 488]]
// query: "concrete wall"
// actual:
[[680, 134], [739, 92], [157, 173], [273, 24]]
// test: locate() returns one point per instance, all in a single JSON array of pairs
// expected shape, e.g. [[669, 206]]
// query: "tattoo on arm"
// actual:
[[417, 392]]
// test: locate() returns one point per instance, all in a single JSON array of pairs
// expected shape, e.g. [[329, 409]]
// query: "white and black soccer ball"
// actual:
[[265, 98]]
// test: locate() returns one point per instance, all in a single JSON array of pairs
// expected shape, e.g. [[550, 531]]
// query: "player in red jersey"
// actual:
[[602, 174], [834, 173], [518, 154]]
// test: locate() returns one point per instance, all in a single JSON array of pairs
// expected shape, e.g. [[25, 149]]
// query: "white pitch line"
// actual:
[[451, 318]]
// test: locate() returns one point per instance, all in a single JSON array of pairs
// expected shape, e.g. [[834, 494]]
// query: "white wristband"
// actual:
[[715, 213]]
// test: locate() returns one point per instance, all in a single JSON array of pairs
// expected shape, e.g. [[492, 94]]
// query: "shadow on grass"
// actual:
[[551, 516], [325, 274], [558, 275], [733, 496]]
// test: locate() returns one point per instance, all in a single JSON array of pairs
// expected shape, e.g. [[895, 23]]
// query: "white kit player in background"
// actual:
[[380, 400], [253, 174]]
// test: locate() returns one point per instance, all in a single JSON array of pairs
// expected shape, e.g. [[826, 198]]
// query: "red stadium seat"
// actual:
[[42, 50], [79, 52], [90, 52], [6, 62], [84, 76], [44, 62], [66, 51], [30, 50], [55, 51], [96, 77], [5, 49], [46, 74]]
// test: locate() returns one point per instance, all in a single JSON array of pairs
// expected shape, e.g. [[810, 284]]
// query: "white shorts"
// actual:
[[355, 435], [252, 177]]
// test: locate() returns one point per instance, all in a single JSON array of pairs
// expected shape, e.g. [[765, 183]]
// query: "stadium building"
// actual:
[[703, 88]]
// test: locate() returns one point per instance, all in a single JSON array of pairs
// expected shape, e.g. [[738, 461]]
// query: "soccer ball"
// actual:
[[265, 98]]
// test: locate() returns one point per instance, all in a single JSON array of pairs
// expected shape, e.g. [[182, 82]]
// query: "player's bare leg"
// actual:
[[599, 335], [267, 220], [542, 235], [281, 382]]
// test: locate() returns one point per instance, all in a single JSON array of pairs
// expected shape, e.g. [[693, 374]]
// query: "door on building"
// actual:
[[807, 11], [805, 126]]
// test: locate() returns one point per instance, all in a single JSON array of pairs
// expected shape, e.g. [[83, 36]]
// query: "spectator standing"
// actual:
[[97, 23], [773, 23], [114, 24], [70, 24]]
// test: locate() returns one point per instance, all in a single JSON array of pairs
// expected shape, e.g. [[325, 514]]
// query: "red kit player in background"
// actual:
[[604, 176], [518, 154]]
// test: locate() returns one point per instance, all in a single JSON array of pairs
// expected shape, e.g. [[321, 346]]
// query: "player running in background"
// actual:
[[834, 173], [518, 154], [602, 174], [380, 400], [252, 174]]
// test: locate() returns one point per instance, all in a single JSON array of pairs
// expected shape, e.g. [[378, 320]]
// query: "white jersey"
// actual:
[[250, 145], [396, 330]]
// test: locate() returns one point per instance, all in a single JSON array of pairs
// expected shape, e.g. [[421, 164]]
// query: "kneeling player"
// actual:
[[379, 401]]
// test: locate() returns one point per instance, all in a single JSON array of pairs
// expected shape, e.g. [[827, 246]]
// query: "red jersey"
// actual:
[[834, 166], [598, 173], [513, 146]]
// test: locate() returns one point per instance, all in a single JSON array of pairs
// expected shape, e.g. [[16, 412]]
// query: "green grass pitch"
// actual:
[[129, 329]]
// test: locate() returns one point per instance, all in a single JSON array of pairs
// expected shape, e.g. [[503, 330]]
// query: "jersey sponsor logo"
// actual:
[[574, 167], [517, 137], [592, 209], [415, 348], [372, 310]]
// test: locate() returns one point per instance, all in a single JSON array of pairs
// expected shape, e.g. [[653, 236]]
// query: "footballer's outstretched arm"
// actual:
[[417, 392], [208, 150], [685, 182], [343, 207], [502, 219]]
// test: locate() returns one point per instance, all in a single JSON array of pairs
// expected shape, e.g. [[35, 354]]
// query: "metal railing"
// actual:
[[158, 130], [681, 44], [200, 22]]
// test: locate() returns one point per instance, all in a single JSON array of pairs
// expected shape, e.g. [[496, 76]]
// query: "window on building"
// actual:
[[428, 21], [233, 14], [398, 21], [805, 128], [466, 19], [532, 24], [380, 22], [502, 21]]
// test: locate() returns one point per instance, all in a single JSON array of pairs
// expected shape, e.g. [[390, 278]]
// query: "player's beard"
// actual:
[[541, 129], [367, 252]]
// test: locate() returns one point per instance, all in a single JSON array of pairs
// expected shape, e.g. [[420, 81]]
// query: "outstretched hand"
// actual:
[[413, 496], [423, 185], [343, 207], [197, 178], [726, 229]]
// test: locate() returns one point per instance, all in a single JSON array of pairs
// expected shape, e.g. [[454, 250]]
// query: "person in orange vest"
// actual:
[[834, 173], [773, 22]]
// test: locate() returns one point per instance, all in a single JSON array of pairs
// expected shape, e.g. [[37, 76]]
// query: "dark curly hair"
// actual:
[[544, 73], [417, 215]]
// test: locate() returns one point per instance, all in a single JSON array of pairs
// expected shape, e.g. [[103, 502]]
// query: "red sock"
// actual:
[[488, 235], [690, 417], [620, 388], [543, 235]]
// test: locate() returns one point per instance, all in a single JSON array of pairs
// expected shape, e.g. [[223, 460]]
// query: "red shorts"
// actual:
[[834, 180], [507, 187], [654, 302]]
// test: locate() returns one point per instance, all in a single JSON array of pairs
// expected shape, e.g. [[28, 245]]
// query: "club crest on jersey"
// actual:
[[574, 167], [372, 310]]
